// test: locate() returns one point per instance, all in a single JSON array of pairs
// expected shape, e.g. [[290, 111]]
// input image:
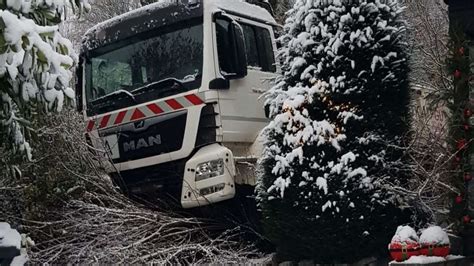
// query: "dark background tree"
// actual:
[[280, 7]]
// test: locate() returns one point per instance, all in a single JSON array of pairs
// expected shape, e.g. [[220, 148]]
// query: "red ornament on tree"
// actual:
[[457, 159], [467, 177], [462, 50], [467, 112], [457, 73], [461, 144], [466, 219], [458, 199], [466, 127]]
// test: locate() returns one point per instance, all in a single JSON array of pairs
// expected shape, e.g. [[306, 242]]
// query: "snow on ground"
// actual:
[[9, 237], [426, 260], [19, 260], [434, 235]]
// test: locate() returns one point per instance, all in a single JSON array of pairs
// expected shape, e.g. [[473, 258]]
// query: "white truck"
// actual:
[[171, 94]]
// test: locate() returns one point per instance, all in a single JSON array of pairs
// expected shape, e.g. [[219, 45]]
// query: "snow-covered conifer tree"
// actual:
[[338, 117], [35, 66]]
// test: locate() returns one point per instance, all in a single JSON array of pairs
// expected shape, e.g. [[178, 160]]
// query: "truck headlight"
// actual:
[[209, 169]]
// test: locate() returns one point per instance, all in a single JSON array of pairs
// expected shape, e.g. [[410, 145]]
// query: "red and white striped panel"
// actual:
[[149, 110]]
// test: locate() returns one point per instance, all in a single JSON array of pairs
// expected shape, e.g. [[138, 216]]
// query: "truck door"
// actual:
[[241, 108]]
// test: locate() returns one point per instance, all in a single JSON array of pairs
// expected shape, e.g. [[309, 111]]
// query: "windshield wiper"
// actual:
[[115, 93], [174, 84]]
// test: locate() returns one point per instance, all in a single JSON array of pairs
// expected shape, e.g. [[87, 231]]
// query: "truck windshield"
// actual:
[[135, 70]]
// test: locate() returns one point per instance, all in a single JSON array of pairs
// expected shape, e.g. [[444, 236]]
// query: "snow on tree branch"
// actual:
[[338, 126], [35, 66]]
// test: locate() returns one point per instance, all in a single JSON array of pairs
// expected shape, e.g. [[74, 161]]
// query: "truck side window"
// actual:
[[223, 45], [259, 48], [267, 56], [251, 48]]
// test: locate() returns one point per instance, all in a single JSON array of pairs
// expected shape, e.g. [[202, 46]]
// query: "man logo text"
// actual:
[[135, 145]]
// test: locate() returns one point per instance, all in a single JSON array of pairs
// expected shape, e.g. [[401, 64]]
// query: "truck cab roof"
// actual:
[[245, 9], [165, 12]]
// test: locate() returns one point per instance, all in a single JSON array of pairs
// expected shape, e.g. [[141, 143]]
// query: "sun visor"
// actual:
[[140, 21]]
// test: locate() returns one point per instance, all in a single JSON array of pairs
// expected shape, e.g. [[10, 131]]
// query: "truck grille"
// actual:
[[149, 137], [163, 181]]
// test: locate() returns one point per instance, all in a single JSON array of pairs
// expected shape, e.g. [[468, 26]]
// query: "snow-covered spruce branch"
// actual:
[[35, 66]]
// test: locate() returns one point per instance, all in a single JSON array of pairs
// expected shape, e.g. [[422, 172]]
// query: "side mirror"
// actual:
[[219, 84], [79, 84], [231, 47]]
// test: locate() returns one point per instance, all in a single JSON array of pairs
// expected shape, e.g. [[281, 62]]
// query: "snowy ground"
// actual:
[[10, 245], [9, 237], [426, 260]]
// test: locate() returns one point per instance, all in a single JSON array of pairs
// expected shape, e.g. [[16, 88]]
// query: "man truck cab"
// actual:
[[171, 94]]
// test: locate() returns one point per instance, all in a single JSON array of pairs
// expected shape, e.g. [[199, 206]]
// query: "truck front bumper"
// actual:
[[219, 186]]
